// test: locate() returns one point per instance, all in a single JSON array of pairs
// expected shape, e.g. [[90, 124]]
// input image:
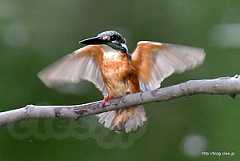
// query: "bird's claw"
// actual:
[[106, 100]]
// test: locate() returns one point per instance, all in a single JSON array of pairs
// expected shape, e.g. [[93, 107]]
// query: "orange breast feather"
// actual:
[[119, 74]]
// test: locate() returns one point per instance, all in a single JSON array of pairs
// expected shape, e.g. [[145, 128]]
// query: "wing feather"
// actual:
[[82, 64], [157, 61]]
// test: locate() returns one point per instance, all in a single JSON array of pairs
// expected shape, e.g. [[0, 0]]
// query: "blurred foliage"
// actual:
[[34, 34]]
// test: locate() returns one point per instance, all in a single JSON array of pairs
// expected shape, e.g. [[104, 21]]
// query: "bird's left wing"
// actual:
[[156, 61], [82, 64]]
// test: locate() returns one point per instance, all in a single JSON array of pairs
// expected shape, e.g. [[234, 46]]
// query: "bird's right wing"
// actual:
[[82, 64]]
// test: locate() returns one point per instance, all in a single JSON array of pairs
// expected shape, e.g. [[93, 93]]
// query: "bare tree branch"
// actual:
[[220, 86]]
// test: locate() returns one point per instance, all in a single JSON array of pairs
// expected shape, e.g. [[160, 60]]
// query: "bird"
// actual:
[[106, 62]]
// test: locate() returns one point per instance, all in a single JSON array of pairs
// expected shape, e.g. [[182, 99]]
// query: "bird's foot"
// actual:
[[106, 100]]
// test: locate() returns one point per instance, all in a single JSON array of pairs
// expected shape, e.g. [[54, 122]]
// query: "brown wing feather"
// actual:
[[82, 64], [157, 61]]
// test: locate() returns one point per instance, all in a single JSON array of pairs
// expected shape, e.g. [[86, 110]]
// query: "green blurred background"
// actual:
[[34, 34]]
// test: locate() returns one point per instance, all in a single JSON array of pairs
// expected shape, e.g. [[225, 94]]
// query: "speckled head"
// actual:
[[110, 38]]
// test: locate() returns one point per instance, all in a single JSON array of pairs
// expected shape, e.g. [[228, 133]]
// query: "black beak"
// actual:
[[93, 41]]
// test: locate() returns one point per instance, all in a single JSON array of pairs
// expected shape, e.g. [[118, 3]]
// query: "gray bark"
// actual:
[[220, 86]]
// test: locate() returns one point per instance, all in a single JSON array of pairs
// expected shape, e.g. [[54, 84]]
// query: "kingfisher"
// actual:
[[106, 62]]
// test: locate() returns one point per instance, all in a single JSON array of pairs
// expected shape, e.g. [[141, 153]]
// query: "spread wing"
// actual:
[[82, 64], [157, 61]]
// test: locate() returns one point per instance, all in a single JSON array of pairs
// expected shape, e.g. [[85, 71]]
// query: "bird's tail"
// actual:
[[128, 119]]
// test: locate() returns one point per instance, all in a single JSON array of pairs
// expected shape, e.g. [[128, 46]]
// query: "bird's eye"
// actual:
[[113, 37]]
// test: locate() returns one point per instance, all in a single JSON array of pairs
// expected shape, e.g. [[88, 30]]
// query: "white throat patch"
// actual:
[[110, 53]]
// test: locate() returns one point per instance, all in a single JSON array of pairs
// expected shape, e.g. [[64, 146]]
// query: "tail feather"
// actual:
[[127, 120], [106, 118]]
